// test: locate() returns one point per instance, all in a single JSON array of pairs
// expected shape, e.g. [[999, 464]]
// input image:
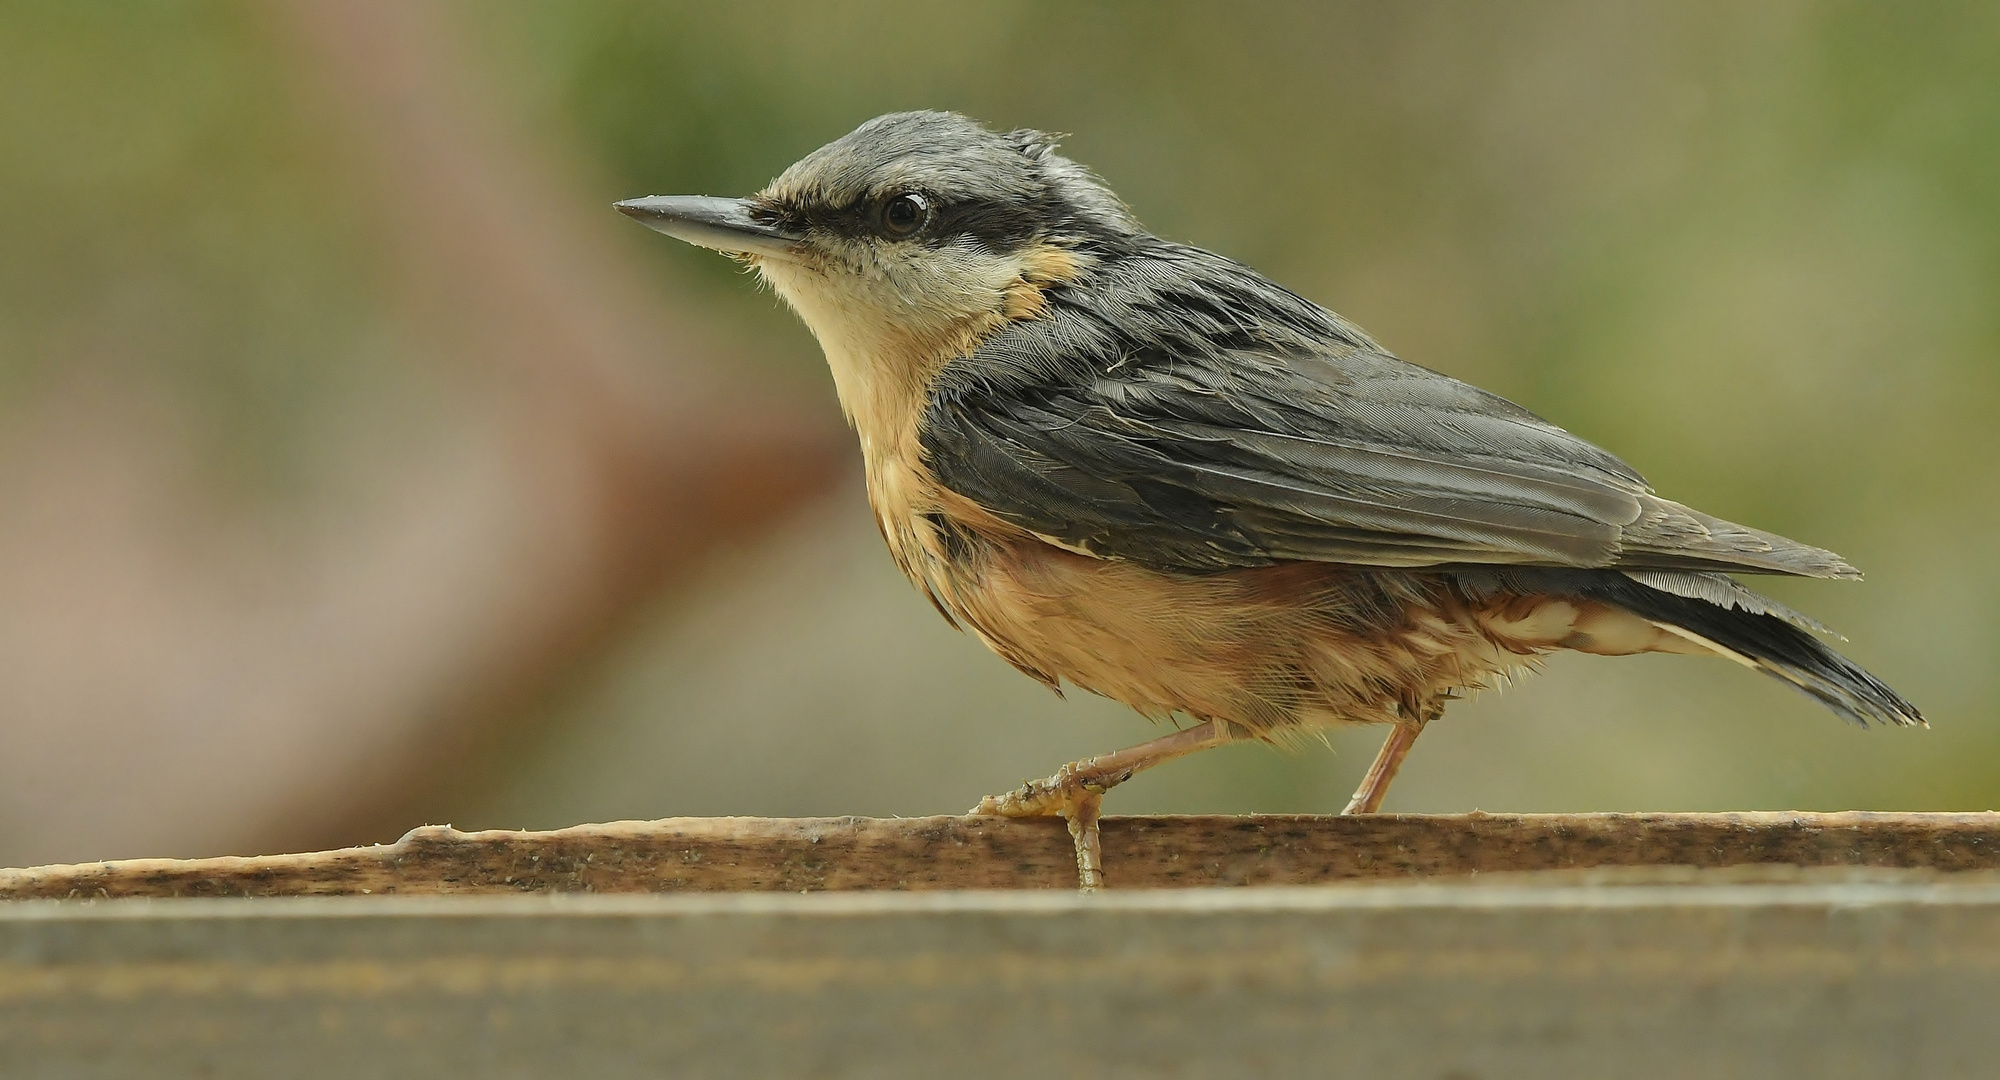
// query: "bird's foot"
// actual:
[[1075, 794]]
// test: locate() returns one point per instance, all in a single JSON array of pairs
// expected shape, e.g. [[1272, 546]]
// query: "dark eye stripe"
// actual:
[[850, 220], [999, 225]]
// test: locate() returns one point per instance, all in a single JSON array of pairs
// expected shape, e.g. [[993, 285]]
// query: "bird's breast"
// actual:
[[920, 521]]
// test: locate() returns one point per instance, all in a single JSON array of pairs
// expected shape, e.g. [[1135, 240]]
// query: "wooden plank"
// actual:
[[818, 854], [1429, 980]]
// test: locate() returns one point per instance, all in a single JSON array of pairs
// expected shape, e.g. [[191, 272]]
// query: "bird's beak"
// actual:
[[722, 224]]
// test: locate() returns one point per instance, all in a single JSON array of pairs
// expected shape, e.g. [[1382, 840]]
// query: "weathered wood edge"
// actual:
[[848, 853]]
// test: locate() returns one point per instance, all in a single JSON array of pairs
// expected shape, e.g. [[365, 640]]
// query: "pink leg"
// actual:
[[1368, 797]]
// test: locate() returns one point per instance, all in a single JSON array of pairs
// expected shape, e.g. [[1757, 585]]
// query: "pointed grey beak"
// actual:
[[722, 224]]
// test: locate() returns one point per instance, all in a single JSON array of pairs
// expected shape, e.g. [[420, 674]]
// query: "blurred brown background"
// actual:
[[360, 468]]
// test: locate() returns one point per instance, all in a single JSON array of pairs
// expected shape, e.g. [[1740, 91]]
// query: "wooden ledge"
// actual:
[[814, 854]]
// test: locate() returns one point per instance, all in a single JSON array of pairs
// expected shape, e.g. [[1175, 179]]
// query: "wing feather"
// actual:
[[1182, 412]]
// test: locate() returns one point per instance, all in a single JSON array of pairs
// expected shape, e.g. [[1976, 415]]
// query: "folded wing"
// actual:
[[1191, 416]]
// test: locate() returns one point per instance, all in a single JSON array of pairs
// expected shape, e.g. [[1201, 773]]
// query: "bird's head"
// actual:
[[904, 242]]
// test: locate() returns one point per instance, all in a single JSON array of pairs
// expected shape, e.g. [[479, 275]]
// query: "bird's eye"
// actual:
[[903, 215]]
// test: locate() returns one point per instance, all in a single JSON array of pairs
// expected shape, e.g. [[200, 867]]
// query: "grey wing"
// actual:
[[1199, 459]]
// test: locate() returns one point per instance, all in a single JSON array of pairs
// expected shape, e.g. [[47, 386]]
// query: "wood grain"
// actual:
[[816, 854]]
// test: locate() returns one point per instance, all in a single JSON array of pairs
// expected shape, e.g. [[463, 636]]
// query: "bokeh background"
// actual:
[[360, 468]]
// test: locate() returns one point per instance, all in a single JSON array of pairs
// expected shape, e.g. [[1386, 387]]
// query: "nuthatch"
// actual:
[[1146, 469]]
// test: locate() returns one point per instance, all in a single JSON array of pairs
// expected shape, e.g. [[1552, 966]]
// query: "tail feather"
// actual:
[[1725, 618], [1724, 591], [1760, 633]]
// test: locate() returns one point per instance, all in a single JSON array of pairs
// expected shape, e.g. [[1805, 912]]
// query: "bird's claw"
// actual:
[[1050, 797], [1072, 795]]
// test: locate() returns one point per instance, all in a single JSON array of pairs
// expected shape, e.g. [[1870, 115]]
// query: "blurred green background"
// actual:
[[1753, 249]]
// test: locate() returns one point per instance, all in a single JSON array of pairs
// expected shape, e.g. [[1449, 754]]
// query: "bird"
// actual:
[[1143, 469]]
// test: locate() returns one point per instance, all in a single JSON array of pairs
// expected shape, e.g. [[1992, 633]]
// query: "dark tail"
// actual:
[[1714, 610], [1758, 632]]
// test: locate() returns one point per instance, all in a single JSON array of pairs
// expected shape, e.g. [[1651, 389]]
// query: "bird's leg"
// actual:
[[1368, 797], [1076, 792]]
